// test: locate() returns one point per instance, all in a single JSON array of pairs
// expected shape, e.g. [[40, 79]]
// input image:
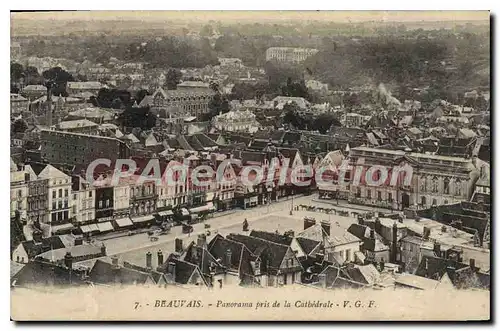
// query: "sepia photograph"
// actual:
[[250, 165]]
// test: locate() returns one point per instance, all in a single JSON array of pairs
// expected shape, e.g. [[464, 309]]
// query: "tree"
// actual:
[[16, 72], [323, 122], [60, 78], [173, 78]]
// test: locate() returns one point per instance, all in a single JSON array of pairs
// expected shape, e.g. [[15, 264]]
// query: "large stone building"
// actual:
[[236, 121], [289, 54], [60, 147], [176, 105], [434, 179]]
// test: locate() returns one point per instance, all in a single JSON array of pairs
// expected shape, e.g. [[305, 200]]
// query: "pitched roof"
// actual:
[[106, 273], [50, 172], [33, 248], [366, 274], [416, 281], [183, 269], [338, 236], [461, 274], [201, 257], [268, 251], [308, 245], [241, 256], [273, 237], [43, 273]]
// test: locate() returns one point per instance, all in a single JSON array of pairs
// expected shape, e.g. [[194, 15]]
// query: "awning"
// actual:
[[85, 229], [166, 213], [210, 196], [142, 219], [123, 222], [61, 227], [94, 227], [106, 226], [184, 212], [208, 207]]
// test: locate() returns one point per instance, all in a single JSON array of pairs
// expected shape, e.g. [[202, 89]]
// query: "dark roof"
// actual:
[[273, 237], [460, 274], [33, 248], [43, 273], [204, 140], [271, 254], [337, 277], [246, 156], [105, 273], [241, 257], [202, 258], [307, 244], [183, 269]]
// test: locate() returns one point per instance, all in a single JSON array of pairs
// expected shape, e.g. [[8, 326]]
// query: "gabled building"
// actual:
[[278, 263]]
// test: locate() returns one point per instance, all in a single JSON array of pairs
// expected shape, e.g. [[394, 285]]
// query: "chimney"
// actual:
[[229, 255], [160, 257], [361, 220], [114, 261], [178, 245], [308, 222], [427, 233], [149, 260], [68, 260], [202, 240], [326, 227], [171, 270], [472, 264], [79, 241], [372, 234], [103, 249], [437, 249]]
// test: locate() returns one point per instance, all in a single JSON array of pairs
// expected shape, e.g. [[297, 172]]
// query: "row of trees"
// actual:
[[57, 77]]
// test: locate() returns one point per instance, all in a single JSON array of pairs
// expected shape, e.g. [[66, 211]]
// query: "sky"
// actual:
[[260, 16]]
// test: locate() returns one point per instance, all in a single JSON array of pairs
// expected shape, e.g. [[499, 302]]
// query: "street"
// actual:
[[270, 218]]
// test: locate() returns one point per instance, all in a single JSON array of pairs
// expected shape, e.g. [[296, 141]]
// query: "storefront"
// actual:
[[142, 221], [90, 229], [123, 223], [208, 208], [105, 227]]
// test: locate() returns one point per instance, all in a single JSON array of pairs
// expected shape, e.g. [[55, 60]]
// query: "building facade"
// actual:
[[289, 54], [60, 147], [433, 179], [236, 121], [83, 201], [60, 198], [176, 105]]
